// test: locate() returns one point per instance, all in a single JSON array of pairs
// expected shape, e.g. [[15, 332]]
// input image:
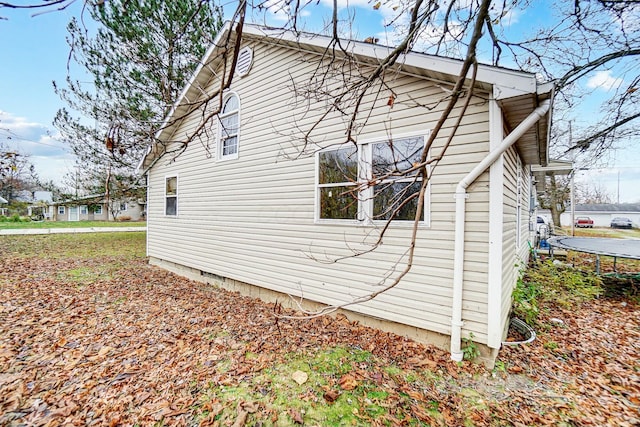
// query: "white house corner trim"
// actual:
[[496, 231]]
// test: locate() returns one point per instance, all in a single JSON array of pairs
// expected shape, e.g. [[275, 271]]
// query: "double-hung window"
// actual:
[[229, 128], [370, 182], [171, 196], [338, 183]]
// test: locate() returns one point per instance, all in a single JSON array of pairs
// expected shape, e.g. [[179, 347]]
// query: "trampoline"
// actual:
[[616, 248]]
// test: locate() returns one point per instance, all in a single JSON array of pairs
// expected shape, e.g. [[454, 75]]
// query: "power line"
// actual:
[[14, 136]]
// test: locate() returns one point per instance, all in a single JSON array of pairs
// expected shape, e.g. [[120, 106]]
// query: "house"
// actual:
[[240, 210], [96, 208], [3, 211]]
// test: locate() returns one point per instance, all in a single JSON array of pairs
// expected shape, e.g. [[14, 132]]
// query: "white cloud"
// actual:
[[281, 10], [342, 4], [604, 80], [46, 153], [510, 17]]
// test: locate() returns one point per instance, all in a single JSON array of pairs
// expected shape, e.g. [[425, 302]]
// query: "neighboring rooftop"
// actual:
[[609, 207]]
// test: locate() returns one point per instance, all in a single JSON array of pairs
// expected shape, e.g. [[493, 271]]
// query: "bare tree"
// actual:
[[342, 81], [593, 193], [17, 173], [585, 37]]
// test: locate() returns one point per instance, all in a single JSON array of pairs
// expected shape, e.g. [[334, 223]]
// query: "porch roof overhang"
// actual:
[[553, 167]]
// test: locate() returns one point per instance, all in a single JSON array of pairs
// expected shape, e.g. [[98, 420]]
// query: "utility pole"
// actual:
[[618, 198]]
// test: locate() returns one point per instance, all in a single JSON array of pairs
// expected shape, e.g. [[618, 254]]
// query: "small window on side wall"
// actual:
[[60, 210], [171, 196], [98, 210], [229, 128]]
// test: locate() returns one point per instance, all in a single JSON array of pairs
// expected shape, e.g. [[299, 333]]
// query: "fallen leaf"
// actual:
[[296, 417], [300, 377], [331, 396], [348, 382]]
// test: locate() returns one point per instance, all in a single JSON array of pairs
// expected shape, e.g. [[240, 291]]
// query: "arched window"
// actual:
[[229, 135]]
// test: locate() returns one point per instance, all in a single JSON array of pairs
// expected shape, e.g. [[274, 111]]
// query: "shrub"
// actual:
[[564, 285], [15, 218], [124, 218]]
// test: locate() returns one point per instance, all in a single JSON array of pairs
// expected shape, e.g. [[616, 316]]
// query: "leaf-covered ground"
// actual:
[[101, 338]]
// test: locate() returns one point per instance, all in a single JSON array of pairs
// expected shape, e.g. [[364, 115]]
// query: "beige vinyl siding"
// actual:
[[252, 219], [513, 255]]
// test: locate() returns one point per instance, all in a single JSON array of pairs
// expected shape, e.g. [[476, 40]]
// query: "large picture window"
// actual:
[[171, 196], [367, 184], [229, 127]]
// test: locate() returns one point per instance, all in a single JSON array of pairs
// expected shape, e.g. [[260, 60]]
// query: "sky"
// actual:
[[34, 52]]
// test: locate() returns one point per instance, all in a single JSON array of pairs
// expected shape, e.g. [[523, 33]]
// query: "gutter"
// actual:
[[461, 196]]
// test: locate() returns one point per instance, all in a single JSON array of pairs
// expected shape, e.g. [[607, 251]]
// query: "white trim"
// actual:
[[496, 230], [164, 212], [219, 145]]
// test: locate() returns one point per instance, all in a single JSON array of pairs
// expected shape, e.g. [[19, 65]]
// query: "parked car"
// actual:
[[621, 222], [583, 221]]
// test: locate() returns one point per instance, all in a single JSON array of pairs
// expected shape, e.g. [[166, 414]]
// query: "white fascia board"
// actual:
[[507, 83]]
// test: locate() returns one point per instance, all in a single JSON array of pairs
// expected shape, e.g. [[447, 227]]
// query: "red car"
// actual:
[[583, 221]]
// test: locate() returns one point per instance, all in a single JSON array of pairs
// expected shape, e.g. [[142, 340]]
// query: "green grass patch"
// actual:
[[126, 245], [84, 276], [279, 396], [616, 233], [12, 224]]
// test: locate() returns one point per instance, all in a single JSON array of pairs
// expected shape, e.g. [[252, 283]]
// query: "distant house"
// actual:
[[95, 208], [603, 213], [232, 211], [3, 210]]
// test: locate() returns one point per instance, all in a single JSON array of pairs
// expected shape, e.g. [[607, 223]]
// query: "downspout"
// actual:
[[461, 196]]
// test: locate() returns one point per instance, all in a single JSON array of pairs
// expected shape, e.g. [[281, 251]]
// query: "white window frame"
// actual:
[[166, 196], [84, 210], [61, 210], [125, 205], [97, 210], [365, 198], [221, 139]]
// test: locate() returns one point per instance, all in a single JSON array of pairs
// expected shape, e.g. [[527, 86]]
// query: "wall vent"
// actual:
[[244, 62], [212, 276]]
